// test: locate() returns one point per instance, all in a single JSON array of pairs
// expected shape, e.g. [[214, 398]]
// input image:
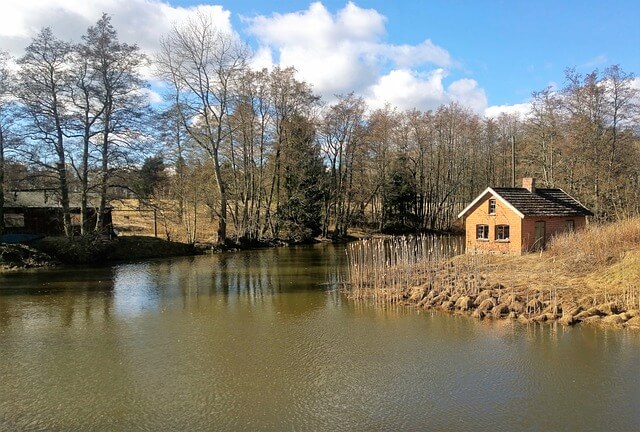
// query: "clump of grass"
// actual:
[[597, 246]]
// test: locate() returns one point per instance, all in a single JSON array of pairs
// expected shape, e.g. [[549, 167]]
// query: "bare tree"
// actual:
[[7, 119], [343, 137], [543, 128], [116, 73], [87, 111], [44, 89], [204, 66]]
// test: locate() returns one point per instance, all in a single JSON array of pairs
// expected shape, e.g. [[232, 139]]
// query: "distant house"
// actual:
[[516, 220], [39, 211]]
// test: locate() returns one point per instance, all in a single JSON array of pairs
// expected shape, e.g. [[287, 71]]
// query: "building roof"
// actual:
[[541, 202], [44, 198]]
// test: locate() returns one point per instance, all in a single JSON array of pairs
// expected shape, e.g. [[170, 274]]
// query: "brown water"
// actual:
[[262, 341]]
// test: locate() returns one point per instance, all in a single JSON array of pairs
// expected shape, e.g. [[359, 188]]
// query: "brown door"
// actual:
[[540, 234]]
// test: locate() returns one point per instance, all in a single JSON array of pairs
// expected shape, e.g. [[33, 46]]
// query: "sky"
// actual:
[[487, 55]]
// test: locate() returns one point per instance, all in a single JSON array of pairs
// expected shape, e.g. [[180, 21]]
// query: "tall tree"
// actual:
[[86, 115], [300, 211], [116, 75], [204, 66], [543, 129], [7, 118], [343, 131], [44, 91], [291, 103]]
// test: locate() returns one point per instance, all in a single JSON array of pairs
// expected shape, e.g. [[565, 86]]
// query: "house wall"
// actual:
[[553, 226], [503, 216], [49, 221]]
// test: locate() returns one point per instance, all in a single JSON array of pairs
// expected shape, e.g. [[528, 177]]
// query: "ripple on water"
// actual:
[[171, 347]]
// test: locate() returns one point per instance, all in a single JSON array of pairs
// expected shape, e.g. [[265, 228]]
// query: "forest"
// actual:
[[268, 159]]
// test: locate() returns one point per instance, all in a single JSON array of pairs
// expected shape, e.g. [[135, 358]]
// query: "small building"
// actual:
[[38, 211], [517, 220]]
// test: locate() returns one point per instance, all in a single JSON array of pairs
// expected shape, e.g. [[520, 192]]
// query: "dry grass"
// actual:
[[133, 218], [596, 247], [600, 261]]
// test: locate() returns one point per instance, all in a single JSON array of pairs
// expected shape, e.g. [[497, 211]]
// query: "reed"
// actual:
[[383, 268]]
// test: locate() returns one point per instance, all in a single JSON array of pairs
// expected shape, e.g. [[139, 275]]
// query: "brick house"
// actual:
[[517, 220]]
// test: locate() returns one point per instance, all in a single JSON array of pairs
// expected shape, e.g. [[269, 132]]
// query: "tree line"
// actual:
[[268, 159]]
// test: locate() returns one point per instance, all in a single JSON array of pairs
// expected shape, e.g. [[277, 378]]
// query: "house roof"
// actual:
[[44, 198], [542, 202]]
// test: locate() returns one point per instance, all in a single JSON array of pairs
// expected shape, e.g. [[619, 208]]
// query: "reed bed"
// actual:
[[380, 268]]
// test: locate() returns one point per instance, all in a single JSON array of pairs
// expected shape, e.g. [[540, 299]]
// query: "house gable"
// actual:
[[490, 221], [485, 195]]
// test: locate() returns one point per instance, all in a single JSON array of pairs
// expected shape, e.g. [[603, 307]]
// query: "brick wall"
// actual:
[[503, 216], [553, 226]]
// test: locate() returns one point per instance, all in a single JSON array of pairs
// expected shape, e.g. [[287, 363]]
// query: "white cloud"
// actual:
[[345, 52], [337, 53], [467, 92], [137, 21], [416, 55], [152, 95], [407, 89], [521, 110], [262, 58]]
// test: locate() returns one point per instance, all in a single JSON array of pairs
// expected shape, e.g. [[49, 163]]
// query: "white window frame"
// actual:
[[492, 203], [485, 229], [500, 232]]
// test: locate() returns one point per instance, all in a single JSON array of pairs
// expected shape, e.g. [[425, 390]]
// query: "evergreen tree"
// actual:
[[400, 202], [301, 209]]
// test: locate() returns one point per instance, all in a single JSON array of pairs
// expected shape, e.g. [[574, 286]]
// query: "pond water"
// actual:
[[262, 340]]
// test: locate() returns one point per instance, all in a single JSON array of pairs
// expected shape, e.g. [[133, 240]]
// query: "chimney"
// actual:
[[529, 183]]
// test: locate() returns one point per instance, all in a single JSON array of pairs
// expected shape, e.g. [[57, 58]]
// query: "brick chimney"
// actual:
[[529, 183]]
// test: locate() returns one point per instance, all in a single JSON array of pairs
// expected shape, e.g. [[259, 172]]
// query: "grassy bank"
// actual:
[[592, 276]]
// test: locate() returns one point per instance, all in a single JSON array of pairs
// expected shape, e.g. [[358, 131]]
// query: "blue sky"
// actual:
[[510, 47], [410, 53]]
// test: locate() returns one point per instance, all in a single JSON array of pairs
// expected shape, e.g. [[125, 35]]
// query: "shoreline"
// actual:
[[454, 288], [491, 304], [526, 309], [591, 276]]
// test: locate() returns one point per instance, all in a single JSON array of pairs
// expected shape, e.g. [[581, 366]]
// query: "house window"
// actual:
[[492, 206], [482, 232], [570, 225], [14, 220], [502, 232]]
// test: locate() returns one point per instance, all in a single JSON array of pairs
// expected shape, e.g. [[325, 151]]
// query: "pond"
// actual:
[[262, 340]]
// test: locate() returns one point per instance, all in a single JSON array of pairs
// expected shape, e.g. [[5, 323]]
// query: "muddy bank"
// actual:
[[52, 251]]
